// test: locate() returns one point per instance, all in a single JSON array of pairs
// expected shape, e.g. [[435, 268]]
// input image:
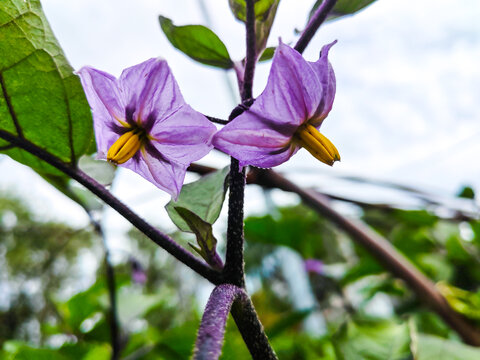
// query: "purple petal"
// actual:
[[253, 140], [183, 137], [325, 73], [166, 175], [151, 90], [106, 103], [293, 92]]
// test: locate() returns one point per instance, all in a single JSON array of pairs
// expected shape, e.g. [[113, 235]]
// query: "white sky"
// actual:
[[408, 88]]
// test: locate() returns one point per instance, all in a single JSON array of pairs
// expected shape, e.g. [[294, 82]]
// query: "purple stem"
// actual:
[[156, 236], [226, 298], [212, 328], [315, 21]]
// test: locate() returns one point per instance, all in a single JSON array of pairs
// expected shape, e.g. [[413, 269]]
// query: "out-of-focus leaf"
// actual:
[[429, 347], [197, 42], [372, 340], [102, 171], [265, 11], [465, 302], [298, 228], [467, 192], [267, 53], [17, 350], [287, 322], [262, 8], [435, 266], [40, 97], [132, 305], [342, 7], [365, 267], [84, 305], [203, 197]]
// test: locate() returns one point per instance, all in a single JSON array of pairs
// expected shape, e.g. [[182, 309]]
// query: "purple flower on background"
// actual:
[[298, 97], [139, 275], [314, 266], [142, 123]]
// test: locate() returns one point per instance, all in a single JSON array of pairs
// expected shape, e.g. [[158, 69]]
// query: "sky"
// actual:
[[406, 108]]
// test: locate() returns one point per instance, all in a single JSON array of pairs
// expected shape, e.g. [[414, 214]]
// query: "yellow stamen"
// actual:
[[124, 148], [317, 144]]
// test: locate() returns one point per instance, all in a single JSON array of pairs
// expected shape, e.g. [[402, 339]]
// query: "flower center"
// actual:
[[317, 144], [126, 146]]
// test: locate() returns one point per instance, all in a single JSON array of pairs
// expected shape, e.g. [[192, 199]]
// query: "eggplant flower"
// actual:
[[287, 115], [142, 123]]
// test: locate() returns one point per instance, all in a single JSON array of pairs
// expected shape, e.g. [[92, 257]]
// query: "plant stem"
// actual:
[[251, 56], [234, 272], [251, 329], [112, 293], [316, 20], [152, 233]]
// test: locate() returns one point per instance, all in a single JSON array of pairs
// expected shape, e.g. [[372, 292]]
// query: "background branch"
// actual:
[[152, 233], [315, 21], [382, 250]]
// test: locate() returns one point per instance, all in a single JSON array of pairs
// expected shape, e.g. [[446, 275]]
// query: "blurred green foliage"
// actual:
[[358, 310]]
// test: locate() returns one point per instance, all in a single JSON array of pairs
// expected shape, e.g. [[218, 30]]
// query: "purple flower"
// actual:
[[143, 123], [298, 97], [314, 266]]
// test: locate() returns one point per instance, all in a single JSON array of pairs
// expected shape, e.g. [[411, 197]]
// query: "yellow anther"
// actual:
[[124, 148], [317, 144]]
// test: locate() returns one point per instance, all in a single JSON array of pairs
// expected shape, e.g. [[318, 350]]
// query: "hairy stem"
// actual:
[[315, 21], [234, 264], [208, 345], [152, 233]]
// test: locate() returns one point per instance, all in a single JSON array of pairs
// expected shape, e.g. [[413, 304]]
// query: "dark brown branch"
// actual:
[[152, 233], [315, 21]]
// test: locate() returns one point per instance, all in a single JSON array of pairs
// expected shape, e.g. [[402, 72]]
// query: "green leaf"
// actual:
[[265, 11], [267, 53], [132, 305], [462, 301], [262, 8], [299, 228], [372, 340], [287, 322], [342, 7], [435, 348], [203, 197], [204, 235], [197, 42], [467, 192], [40, 97]]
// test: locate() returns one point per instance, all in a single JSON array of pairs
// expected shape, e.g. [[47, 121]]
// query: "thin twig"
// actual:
[[112, 292], [152, 233], [316, 20]]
